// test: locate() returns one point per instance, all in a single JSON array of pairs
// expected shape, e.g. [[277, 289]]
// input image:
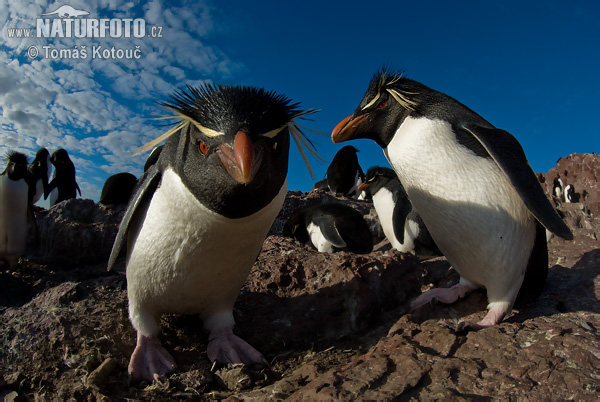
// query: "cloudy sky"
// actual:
[[528, 67]]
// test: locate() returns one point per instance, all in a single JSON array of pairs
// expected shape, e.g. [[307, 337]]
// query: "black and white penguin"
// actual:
[[344, 174], [117, 190], [569, 194], [331, 227], [63, 185], [40, 171], [558, 190], [14, 207], [401, 223], [321, 185], [471, 184], [197, 221]]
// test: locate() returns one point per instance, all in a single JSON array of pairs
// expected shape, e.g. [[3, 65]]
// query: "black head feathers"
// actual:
[[17, 158]]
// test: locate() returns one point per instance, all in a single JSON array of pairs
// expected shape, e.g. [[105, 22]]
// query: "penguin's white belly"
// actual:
[[318, 239], [53, 196], [383, 202], [39, 191], [471, 210], [186, 258], [13, 216]]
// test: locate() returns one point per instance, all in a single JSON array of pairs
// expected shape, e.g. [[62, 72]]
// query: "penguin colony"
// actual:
[[22, 184], [459, 187]]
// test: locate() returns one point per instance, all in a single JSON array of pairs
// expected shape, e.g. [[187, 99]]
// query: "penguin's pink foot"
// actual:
[[444, 295], [497, 312], [149, 361], [224, 347]]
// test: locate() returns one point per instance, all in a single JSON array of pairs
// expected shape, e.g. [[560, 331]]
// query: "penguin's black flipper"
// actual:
[[78, 189], [401, 211], [148, 184], [508, 154], [51, 187], [327, 225], [45, 186]]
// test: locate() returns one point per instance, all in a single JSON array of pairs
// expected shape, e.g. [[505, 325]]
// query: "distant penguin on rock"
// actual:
[[39, 174], [14, 208], [472, 185], [401, 223], [64, 185], [344, 174], [569, 194], [331, 227], [117, 190]]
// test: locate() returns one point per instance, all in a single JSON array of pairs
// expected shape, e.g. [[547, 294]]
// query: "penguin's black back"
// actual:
[[341, 173], [349, 223], [118, 189], [64, 179]]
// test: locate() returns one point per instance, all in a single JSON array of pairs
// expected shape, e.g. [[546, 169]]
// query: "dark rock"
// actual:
[[333, 326], [77, 231]]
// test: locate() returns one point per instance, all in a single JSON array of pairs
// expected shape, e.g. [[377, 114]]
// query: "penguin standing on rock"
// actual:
[[197, 221], [331, 227], [471, 184], [400, 222], [344, 174], [63, 186], [39, 175], [14, 208]]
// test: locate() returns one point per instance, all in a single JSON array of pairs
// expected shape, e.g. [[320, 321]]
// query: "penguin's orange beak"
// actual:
[[363, 186], [241, 161], [346, 128]]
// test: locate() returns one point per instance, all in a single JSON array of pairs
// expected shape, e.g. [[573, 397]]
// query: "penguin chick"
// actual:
[[199, 216], [331, 227], [401, 223], [64, 185], [38, 178], [117, 190], [344, 174], [471, 184], [13, 208]]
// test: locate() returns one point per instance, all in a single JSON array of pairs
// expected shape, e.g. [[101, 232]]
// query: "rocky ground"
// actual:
[[332, 326]]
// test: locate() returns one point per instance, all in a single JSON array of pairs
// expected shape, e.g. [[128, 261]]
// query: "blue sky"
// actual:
[[530, 68]]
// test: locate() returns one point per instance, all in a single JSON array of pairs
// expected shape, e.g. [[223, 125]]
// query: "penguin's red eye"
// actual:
[[203, 148], [382, 105]]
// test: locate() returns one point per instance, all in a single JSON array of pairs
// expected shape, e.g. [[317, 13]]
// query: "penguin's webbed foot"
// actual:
[[444, 295], [497, 312], [150, 361], [224, 347]]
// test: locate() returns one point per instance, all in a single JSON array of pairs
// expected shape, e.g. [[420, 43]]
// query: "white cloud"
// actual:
[[98, 109]]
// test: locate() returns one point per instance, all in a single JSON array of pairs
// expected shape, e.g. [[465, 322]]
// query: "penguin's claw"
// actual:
[[226, 348], [150, 361]]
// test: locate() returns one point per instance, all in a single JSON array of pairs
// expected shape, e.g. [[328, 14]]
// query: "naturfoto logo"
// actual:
[[70, 24]]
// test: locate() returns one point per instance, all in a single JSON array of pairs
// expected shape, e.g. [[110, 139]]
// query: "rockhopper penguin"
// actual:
[[344, 174], [14, 208], [39, 175], [401, 223], [331, 227], [64, 185], [471, 184], [197, 221]]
